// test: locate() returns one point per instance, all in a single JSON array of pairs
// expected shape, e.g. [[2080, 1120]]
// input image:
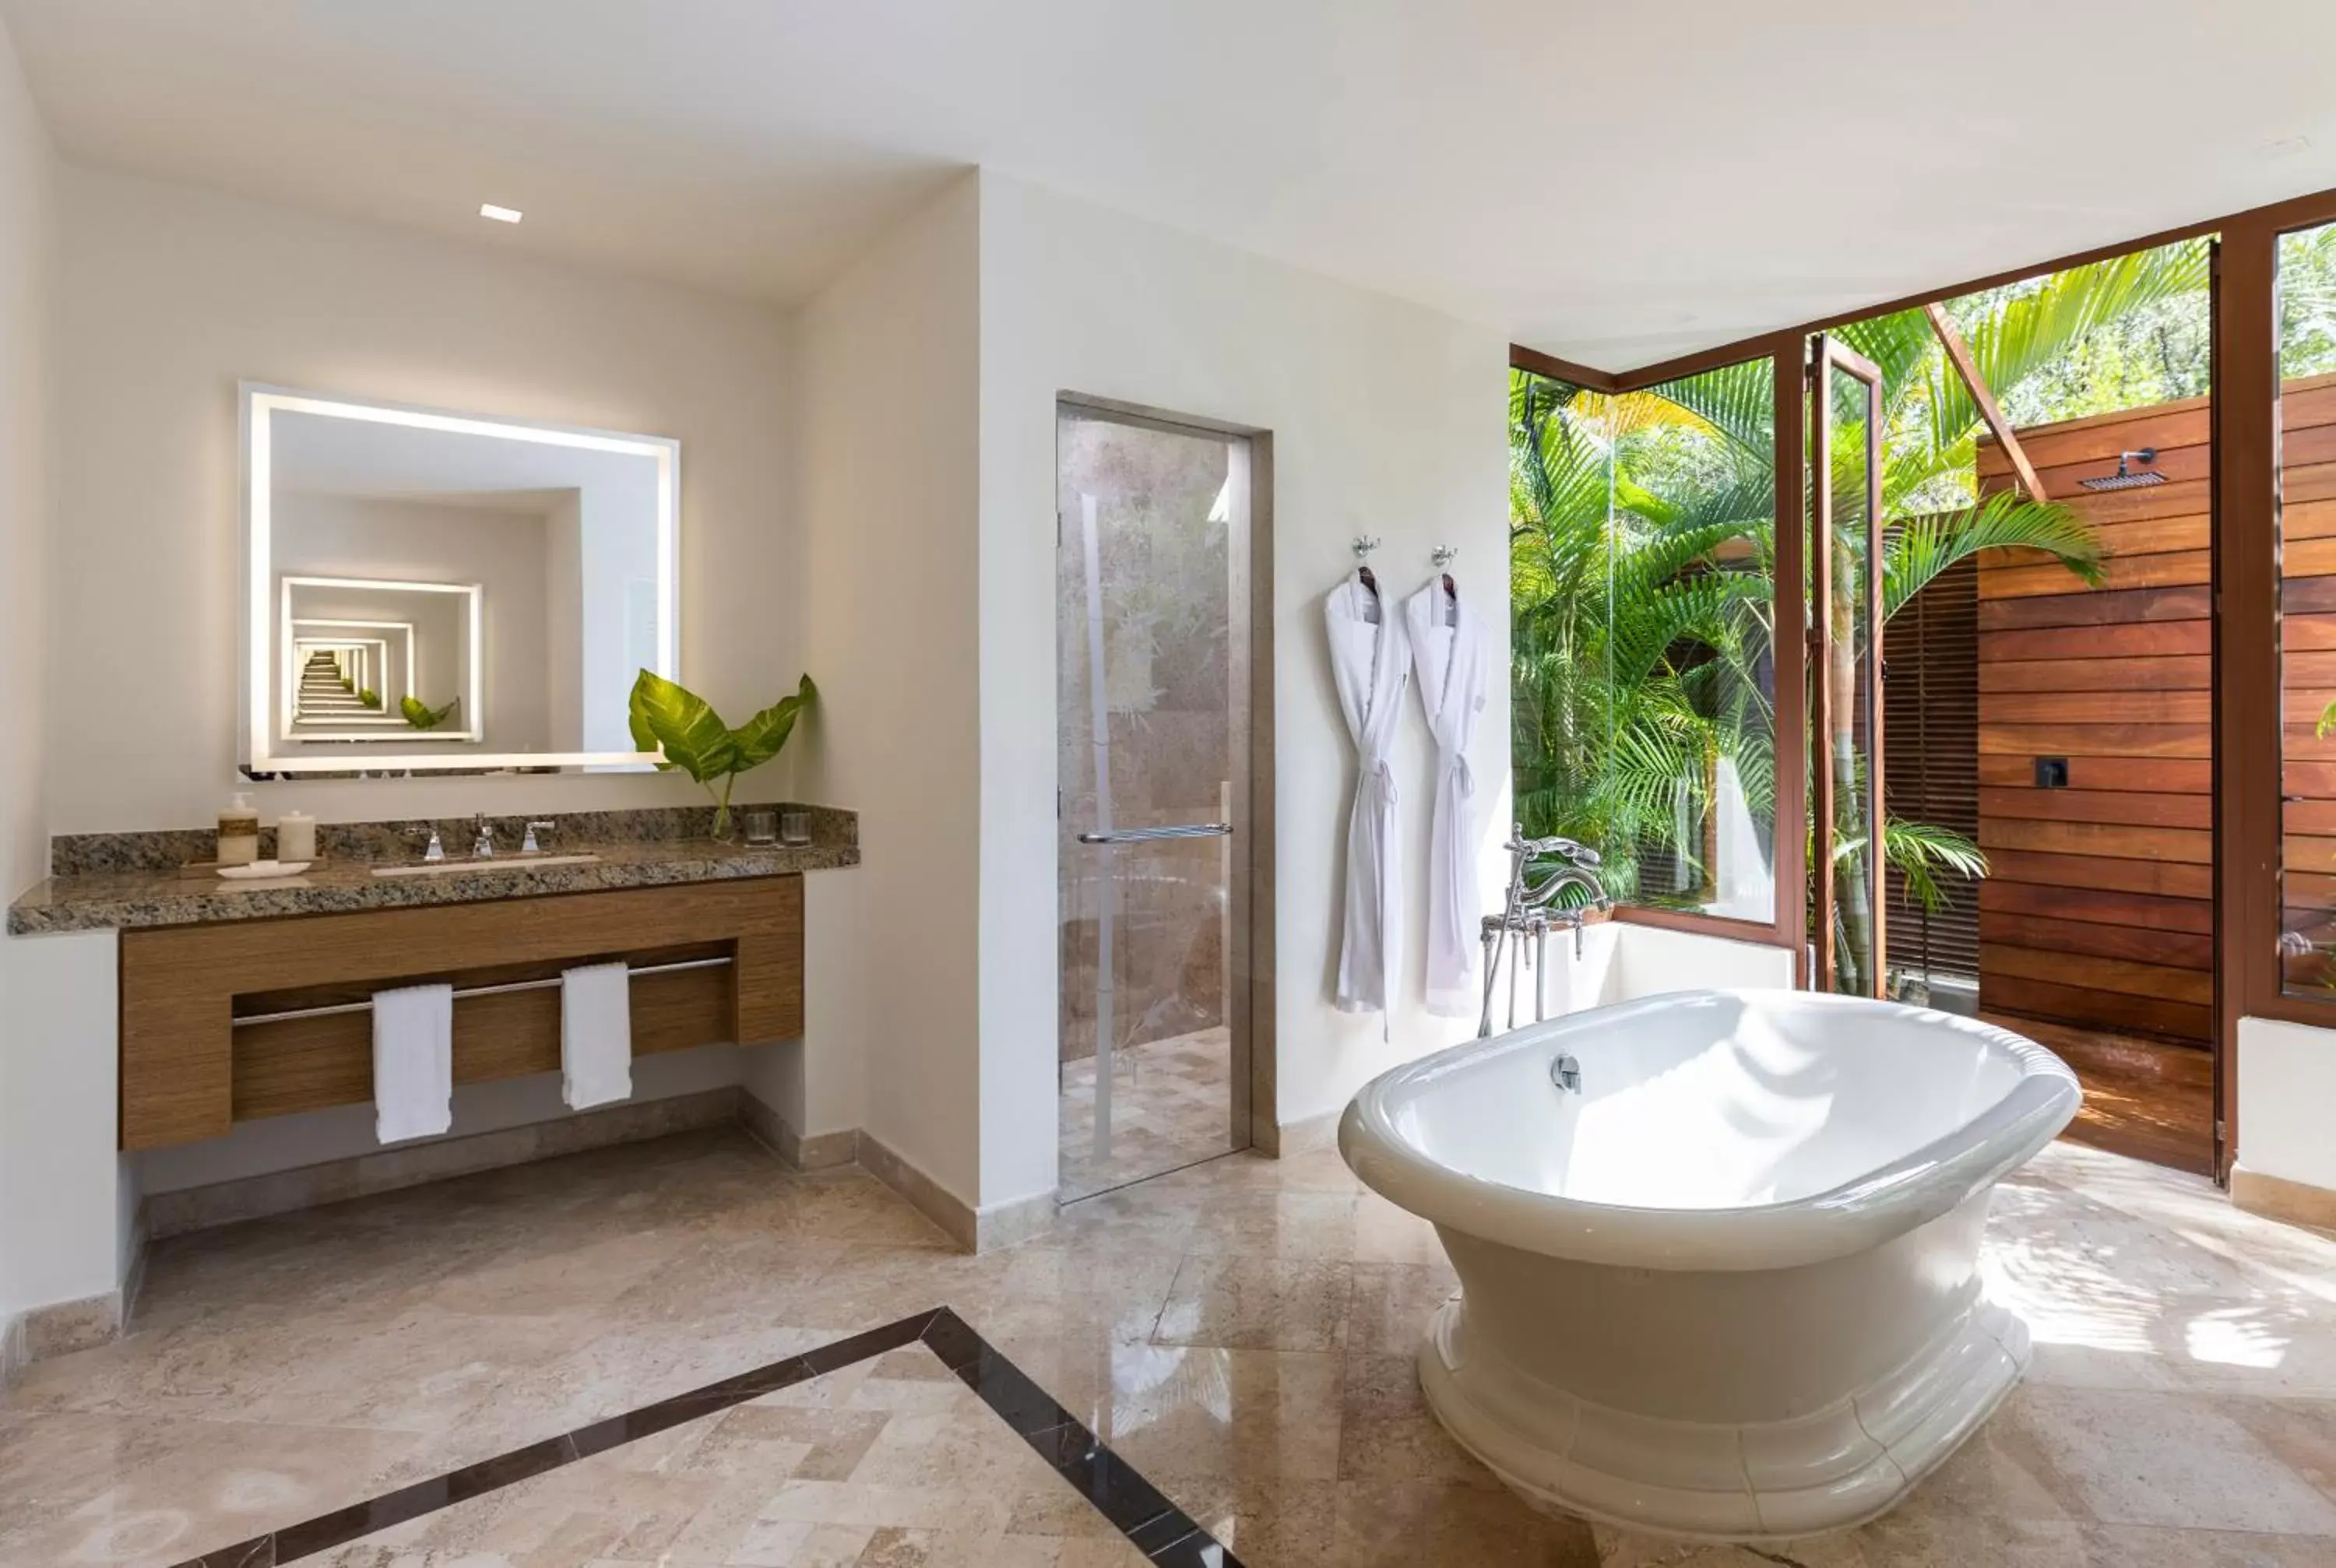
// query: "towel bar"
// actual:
[[544, 984]]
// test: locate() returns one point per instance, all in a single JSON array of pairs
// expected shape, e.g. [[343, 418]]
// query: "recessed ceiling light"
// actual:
[[500, 214]]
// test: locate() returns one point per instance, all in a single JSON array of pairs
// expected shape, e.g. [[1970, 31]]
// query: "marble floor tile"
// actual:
[[1387, 1234], [892, 1463], [2137, 1457], [1240, 1331], [1241, 1222], [82, 1489], [1172, 1107], [1267, 1522], [2132, 1546], [1635, 1549], [1247, 1303], [1379, 1524], [2300, 1433], [1204, 1410], [1390, 1305], [1387, 1434]]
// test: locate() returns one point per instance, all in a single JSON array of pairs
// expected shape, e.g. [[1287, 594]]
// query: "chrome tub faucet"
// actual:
[[1531, 911]]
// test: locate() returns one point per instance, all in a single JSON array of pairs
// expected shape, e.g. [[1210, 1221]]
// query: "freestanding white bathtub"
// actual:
[[1728, 1288]]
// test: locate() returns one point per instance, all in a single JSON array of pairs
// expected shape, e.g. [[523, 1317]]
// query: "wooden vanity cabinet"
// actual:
[[189, 1072]]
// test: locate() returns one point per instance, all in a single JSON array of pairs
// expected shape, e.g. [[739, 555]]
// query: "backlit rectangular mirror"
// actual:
[[430, 590]]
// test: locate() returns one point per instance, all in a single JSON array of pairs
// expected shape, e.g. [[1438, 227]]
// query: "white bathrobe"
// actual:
[[1447, 646], [1371, 664]]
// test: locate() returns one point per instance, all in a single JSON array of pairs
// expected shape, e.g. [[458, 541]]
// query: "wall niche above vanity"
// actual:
[[431, 591]]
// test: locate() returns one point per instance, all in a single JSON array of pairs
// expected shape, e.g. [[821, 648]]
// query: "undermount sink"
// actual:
[[494, 863]]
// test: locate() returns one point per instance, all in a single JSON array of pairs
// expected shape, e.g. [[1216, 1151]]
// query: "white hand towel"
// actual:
[[413, 1062], [595, 1035]]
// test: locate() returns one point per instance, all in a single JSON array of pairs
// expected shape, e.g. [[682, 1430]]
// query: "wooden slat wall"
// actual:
[[2307, 605], [2098, 908], [1930, 718]]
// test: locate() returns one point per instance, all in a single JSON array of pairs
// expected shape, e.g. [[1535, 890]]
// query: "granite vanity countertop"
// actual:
[[165, 896]]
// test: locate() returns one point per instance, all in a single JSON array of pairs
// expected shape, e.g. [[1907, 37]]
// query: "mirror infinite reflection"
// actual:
[[447, 591], [357, 649]]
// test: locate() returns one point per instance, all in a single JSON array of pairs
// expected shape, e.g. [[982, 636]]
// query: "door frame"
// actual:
[[1249, 953]]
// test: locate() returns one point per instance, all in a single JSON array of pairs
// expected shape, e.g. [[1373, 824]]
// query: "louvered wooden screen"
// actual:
[[1931, 760]]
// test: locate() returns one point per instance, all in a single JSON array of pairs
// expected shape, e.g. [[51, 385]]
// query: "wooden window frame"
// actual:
[[1829, 354], [2249, 745], [1787, 352]]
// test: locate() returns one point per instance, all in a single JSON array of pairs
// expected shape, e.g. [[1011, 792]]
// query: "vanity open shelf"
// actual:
[[247, 1019]]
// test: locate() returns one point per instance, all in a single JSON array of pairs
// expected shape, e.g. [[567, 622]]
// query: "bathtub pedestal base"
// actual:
[[1754, 1480]]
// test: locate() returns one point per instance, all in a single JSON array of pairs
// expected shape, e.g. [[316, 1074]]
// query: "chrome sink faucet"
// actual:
[[531, 847], [483, 846]]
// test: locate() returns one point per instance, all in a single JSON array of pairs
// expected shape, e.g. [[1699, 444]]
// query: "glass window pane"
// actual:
[[2307, 589], [1847, 752], [1643, 529]]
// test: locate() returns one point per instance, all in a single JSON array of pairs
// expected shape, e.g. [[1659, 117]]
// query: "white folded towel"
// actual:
[[595, 1035], [413, 1062]]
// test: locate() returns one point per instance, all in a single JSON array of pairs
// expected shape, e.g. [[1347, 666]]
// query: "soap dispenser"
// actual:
[[239, 832]]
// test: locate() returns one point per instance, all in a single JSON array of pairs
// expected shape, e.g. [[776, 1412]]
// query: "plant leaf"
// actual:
[[1920, 549], [684, 726], [760, 738], [637, 719], [421, 714]]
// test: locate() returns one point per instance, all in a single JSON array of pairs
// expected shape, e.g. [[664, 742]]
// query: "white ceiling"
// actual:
[[319, 454], [1615, 183]]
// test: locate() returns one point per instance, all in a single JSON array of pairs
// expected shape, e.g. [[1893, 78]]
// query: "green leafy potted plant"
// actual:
[[422, 716], [669, 718], [370, 697]]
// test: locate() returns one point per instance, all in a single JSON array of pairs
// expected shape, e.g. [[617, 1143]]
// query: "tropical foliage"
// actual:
[[1642, 562], [668, 718]]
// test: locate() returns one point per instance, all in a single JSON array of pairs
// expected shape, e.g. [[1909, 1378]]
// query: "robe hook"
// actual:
[[1442, 555], [1364, 544]]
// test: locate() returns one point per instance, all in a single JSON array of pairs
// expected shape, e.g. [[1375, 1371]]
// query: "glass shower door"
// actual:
[[1153, 759], [1844, 600]]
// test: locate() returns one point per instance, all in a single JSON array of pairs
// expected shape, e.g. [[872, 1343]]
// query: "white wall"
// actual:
[[68, 1194], [1617, 962], [888, 595], [169, 295], [1386, 419], [28, 239], [2286, 1087]]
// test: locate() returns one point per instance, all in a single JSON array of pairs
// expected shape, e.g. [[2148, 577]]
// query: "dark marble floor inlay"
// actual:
[[1138, 1510]]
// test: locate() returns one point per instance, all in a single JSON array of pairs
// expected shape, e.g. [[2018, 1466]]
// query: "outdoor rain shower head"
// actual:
[[2126, 478]]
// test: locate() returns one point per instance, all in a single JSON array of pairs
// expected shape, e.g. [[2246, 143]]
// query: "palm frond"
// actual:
[[2024, 330], [1918, 552], [1738, 400], [1921, 850]]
